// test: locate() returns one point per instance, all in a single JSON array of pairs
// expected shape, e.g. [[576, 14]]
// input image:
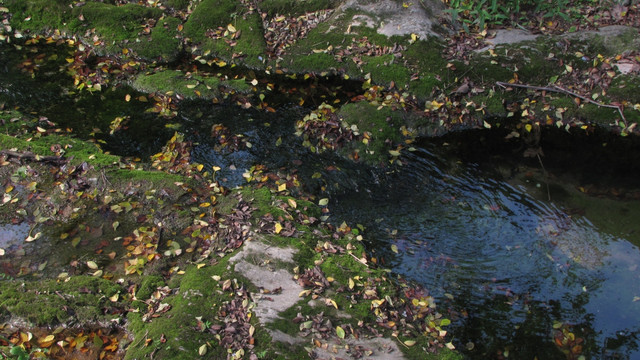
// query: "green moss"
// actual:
[[625, 87], [178, 4], [188, 86], [383, 126], [210, 15], [295, 7], [39, 15], [493, 104], [84, 300], [315, 62], [163, 45], [148, 285], [79, 150], [114, 23], [385, 68], [197, 295]]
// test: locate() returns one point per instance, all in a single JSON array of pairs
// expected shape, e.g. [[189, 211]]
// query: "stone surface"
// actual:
[[392, 18]]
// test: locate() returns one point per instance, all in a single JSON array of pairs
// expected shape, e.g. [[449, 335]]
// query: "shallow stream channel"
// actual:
[[518, 252]]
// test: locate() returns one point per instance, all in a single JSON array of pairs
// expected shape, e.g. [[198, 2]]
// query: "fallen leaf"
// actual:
[[202, 350], [340, 332]]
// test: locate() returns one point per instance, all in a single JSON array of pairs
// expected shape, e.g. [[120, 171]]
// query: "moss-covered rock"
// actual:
[[295, 7], [81, 299], [227, 30], [381, 125], [188, 86]]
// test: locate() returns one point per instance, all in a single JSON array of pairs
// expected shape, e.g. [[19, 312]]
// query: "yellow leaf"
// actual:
[[282, 187], [200, 266], [292, 203], [394, 248], [8, 189], [1, 252], [202, 350], [114, 298], [351, 283], [254, 82], [340, 332], [205, 204], [528, 127], [323, 202], [394, 153], [191, 86], [231, 28], [48, 338], [334, 304], [92, 265], [278, 228]]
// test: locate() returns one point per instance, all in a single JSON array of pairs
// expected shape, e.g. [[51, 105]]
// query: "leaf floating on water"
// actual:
[[2, 252], [33, 238], [636, 298], [394, 248], [340, 332], [323, 202], [394, 152]]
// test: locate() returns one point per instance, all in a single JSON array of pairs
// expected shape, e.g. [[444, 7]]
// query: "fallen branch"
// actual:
[[55, 160], [558, 89], [359, 260]]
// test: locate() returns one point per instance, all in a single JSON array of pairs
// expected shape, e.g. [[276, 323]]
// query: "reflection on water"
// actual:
[[506, 266], [13, 235]]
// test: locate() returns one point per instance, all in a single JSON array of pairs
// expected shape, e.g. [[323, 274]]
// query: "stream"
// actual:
[[510, 254]]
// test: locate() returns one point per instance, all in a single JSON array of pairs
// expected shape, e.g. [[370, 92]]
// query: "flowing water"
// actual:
[[508, 265]]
